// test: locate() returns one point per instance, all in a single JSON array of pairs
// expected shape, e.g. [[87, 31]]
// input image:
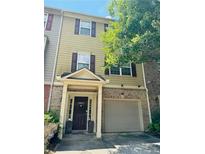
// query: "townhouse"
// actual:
[[87, 97]]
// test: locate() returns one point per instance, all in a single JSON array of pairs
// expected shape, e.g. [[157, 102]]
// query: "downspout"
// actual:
[[143, 73], [56, 56]]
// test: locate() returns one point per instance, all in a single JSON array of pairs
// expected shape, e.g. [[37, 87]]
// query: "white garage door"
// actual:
[[121, 116]]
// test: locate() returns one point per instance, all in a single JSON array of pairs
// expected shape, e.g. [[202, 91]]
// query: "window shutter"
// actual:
[[105, 27], [49, 22], [74, 62], [134, 71], [93, 32], [92, 63], [77, 26], [106, 70]]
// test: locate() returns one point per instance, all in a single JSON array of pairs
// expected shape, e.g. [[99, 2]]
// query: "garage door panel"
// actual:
[[121, 116]]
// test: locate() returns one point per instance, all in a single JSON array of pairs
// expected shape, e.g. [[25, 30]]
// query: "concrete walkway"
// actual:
[[112, 143]]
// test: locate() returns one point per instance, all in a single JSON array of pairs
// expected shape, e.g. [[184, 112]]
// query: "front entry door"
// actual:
[[80, 113]]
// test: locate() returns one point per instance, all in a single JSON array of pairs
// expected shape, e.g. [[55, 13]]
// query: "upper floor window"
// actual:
[[83, 61], [115, 70], [85, 27], [105, 27], [45, 19], [126, 69]]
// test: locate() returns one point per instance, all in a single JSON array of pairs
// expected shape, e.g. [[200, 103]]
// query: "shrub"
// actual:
[[156, 116], [51, 117], [154, 128]]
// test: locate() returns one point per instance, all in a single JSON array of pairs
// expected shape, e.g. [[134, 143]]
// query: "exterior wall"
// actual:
[[56, 98], [115, 93], [46, 96], [152, 76], [50, 51], [70, 43]]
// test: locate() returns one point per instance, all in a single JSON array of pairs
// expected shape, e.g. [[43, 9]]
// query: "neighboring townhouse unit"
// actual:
[[85, 96], [52, 27]]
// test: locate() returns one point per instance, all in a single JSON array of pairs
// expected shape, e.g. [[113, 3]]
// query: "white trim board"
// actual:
[[148, 104]]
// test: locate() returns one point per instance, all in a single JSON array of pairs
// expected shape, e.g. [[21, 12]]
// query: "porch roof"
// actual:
[[82, 75]]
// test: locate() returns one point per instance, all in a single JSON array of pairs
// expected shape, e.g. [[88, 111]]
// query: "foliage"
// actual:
[[156, 116], [51, 117], [135, 34], [154, 128]]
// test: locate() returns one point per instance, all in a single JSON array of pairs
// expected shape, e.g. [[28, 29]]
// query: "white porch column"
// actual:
[[99, 112], [62, 111]]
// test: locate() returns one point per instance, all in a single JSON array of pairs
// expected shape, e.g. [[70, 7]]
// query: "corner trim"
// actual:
[[148, 104]]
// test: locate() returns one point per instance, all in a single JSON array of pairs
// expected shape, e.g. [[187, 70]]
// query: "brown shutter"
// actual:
[[105, 27], [77, 26], [92, 63], [106, 70], [49, 22], [74, 62], [93, 32], [134, 71]]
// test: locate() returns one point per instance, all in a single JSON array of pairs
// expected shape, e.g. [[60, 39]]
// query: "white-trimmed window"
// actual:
[[83, 61], [115, 70], [45, 19], [126, 69], [85, 27]]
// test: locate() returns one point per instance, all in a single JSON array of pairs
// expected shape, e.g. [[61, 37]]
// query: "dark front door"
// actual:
[[80, 113]]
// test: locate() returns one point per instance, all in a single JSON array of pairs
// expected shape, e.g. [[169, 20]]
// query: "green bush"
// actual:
[[154, 128], [51, 117], [156, 116]]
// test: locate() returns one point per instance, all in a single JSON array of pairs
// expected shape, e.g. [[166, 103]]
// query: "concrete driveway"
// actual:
[[112, 143]]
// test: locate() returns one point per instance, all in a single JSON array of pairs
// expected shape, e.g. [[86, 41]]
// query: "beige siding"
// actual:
[[70, 43]]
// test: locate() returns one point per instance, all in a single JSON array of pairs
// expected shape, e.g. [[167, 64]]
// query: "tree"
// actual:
[[134, 35]]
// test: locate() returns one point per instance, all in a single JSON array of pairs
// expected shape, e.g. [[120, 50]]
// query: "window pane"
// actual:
[[81, 65], [115, 70], [83, 58], [85, 24], [126, 71], [85, 31]]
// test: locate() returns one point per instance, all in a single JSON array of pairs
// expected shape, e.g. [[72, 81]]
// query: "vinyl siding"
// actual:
[[50, 51], [70, 43]]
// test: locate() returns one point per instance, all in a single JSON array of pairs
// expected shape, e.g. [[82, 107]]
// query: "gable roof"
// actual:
[[82, 74]]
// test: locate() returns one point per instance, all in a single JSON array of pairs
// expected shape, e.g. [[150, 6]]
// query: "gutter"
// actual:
[[56, 56]]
